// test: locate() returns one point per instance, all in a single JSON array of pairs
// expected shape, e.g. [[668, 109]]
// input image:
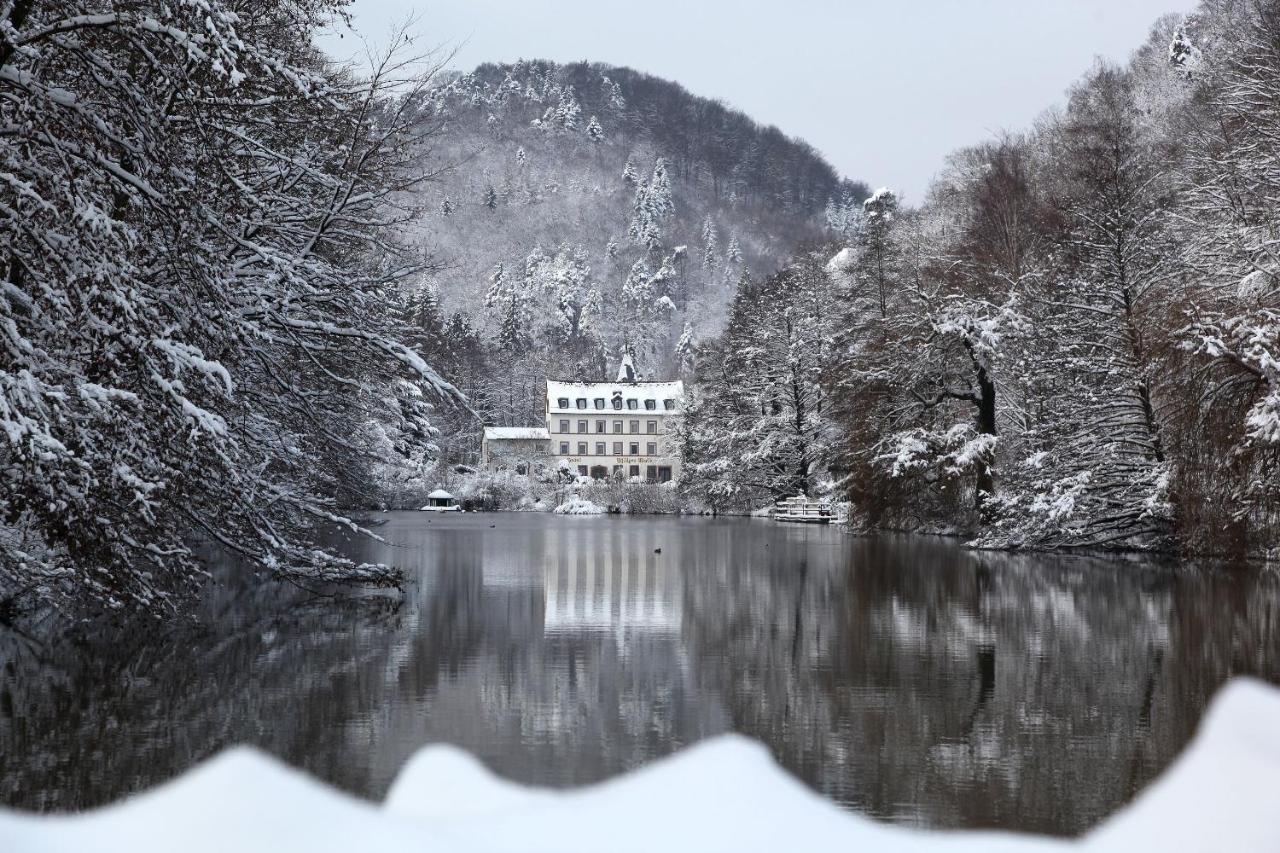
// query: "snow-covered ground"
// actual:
[[726, 794]]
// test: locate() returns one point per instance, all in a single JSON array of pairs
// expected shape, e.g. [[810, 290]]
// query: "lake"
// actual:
[[903, 677]]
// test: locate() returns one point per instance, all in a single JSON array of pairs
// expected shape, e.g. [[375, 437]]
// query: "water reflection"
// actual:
[[902, 677]]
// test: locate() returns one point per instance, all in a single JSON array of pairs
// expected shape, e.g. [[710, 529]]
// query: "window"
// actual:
[[651, 473], [668, 404], [634, 471], [582, 470], [651, 426], [582, 448], [599, 472], [600, 451], [617, 472], [635, 426], [582, 426], [582, 402], [617, 402], [617, 448], [635, 448], [651, 449], [632, 404], [651, 404], [617, 426], [599, 402], [564, 426], [564, 448], [664, 473], [600, 426], [562, 403]]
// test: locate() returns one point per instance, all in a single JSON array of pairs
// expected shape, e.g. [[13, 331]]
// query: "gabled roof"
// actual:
[[515, 433], [572, 391]]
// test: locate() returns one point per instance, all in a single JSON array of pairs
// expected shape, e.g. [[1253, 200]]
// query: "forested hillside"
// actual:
[[1075, 341], [589, 210], [243, 289], [236, 279]]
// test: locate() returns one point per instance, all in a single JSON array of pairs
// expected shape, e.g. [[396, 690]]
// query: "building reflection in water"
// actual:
[[903, 677], [613, 578]]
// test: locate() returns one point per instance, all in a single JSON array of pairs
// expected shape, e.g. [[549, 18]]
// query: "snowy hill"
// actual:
[[590, 207]]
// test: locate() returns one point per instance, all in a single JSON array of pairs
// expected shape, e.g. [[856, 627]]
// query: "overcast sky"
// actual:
[[883, 88]]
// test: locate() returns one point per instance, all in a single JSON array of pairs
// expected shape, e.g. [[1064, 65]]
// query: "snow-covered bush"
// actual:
[[578, 505]]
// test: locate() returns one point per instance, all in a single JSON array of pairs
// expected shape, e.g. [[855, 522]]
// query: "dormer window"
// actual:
[[633, 404], [562, 402], [651, 404], [582, 402], [668, 404], [599, 402], [617, 402]]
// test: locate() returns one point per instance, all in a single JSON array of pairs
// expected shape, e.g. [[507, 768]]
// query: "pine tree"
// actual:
[[710, 244], [685, 351], [567, 110], [491, 198], [595, 133], [734, 253], [509, 302]]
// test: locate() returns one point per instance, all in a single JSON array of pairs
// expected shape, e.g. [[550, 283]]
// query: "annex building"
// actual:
[[623, 429], [521, 449]]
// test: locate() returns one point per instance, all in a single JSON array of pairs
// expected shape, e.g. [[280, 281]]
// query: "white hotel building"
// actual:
[[621, 429]]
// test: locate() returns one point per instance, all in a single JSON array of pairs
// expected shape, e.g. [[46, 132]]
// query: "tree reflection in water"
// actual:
[[904, 677]]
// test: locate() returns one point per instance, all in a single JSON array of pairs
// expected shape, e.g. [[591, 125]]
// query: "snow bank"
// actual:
[[579, 506], [721, 795]]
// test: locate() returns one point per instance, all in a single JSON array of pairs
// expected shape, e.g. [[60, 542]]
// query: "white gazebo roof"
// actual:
[[439, 495]]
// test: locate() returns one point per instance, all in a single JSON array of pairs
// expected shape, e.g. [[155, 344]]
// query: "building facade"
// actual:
[[520, 449], [616, 430]]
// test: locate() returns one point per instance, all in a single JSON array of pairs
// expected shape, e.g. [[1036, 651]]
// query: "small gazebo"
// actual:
[[441, 501]]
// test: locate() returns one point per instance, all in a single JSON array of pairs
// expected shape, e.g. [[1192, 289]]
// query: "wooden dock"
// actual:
[[803, 510]]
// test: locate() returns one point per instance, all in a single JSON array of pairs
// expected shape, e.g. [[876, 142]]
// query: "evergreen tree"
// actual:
[[710, 244]]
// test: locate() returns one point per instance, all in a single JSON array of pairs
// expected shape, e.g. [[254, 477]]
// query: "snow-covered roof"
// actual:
[[439, 495], [514, 433], [592, 391]]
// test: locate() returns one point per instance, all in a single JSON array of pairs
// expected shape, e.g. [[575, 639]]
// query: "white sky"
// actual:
[[885, 89]]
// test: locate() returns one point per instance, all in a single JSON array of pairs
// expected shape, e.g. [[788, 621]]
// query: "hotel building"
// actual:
[[623, 429]]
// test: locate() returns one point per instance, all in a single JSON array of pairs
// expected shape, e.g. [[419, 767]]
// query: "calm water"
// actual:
[[904, 678]]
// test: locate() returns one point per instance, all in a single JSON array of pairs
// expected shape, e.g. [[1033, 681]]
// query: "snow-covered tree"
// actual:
[[196, 283], [756, 429], [710, 244]]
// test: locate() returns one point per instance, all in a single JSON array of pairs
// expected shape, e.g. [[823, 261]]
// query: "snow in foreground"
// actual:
[[722, 795]]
